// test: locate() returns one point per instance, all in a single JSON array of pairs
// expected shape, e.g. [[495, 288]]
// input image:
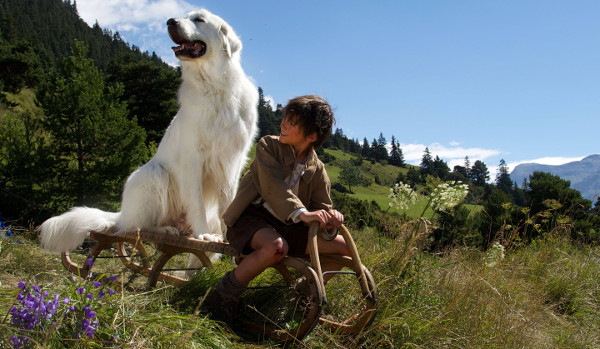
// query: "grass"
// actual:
[[544, 295]]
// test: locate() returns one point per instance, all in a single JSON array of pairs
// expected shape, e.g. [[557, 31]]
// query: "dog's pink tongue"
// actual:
[[196, 47]]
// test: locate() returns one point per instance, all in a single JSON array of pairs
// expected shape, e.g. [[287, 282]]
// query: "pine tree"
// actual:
[[467, 165], [355, 146], [23, 165], [503, 181], [381, 148], [413, 177], [20, 66], [461, 173], [396, 156], [479, 173], [365, 150], [381, 140], [440, 168], [374, 154], [427, 164], [268, 121], [93, 142], [149, 90], [545, 186], [378, 151]]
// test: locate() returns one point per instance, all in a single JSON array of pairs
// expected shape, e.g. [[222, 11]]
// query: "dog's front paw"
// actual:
[[210, 237], [171, 231]]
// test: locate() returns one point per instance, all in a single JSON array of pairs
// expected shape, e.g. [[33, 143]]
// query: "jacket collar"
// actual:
[[311, 161]]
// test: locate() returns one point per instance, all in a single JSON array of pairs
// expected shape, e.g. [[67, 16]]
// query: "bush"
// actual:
[[340, 188], [359, 212], [457, 229]]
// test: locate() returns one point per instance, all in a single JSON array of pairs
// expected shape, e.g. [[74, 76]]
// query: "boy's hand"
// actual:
[[326, 219], [336, 219]]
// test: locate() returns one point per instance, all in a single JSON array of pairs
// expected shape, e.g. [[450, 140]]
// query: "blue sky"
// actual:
[[512, 80]]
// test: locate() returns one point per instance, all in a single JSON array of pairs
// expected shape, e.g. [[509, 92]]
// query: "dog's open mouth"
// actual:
[[190, 49]]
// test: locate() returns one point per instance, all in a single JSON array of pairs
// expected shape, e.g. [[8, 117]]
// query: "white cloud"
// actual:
[[131, 14], [270, 100], [140, 22]]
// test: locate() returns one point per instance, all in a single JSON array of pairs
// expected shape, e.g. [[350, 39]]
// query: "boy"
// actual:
[[285, 190]]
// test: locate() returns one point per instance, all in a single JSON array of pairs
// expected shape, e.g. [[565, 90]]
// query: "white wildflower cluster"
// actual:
[[403, 196], [447, 195], [494, 255]]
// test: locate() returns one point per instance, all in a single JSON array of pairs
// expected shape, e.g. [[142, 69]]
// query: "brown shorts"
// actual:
[[255, 218]]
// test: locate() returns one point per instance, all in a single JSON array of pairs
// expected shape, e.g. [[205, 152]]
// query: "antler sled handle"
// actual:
[[313, 250]]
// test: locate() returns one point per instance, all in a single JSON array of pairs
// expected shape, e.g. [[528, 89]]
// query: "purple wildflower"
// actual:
[[31, 310], [89, 262], [34, 310], [89, 327], [18, 342], [89, 314]]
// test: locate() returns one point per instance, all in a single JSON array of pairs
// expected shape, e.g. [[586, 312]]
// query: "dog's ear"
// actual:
[[231, 43]]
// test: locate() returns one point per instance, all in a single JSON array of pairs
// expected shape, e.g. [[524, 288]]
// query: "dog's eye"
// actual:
[[199, 20]]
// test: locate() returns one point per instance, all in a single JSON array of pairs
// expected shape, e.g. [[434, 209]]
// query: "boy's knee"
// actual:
[[276, 251]]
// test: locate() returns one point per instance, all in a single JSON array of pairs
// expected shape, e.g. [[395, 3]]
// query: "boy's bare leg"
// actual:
[[335, 246], [269, 248]]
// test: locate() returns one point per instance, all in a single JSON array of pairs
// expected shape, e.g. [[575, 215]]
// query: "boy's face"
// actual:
[[292, 134]]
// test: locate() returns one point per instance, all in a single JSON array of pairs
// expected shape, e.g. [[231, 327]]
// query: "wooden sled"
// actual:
[[294, 296]]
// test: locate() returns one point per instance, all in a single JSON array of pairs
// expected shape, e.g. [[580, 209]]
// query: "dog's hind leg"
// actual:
[[145, 203]]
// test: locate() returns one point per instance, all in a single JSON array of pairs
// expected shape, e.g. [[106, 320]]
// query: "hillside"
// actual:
[[386, 175], [52, 26], [584, 175]]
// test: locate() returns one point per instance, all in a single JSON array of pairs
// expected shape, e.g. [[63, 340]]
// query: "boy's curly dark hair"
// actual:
[[312, 114]]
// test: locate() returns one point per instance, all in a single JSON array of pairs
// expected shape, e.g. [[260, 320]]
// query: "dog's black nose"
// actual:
[[172, 21]]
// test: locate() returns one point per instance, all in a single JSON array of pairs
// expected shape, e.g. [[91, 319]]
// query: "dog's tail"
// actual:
[[68, 231]]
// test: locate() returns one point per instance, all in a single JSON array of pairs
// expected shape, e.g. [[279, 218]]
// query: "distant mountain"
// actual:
[[584, 175]]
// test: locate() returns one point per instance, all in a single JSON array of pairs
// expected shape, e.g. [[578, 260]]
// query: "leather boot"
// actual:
[[222, 304]]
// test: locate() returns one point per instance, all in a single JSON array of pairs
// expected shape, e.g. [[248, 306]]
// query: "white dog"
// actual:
[[194, 174]]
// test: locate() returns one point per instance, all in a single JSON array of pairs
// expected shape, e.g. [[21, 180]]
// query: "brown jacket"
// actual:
[[273, 163]]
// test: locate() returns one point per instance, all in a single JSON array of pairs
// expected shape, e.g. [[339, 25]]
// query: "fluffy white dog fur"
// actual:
[[194, 174]]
